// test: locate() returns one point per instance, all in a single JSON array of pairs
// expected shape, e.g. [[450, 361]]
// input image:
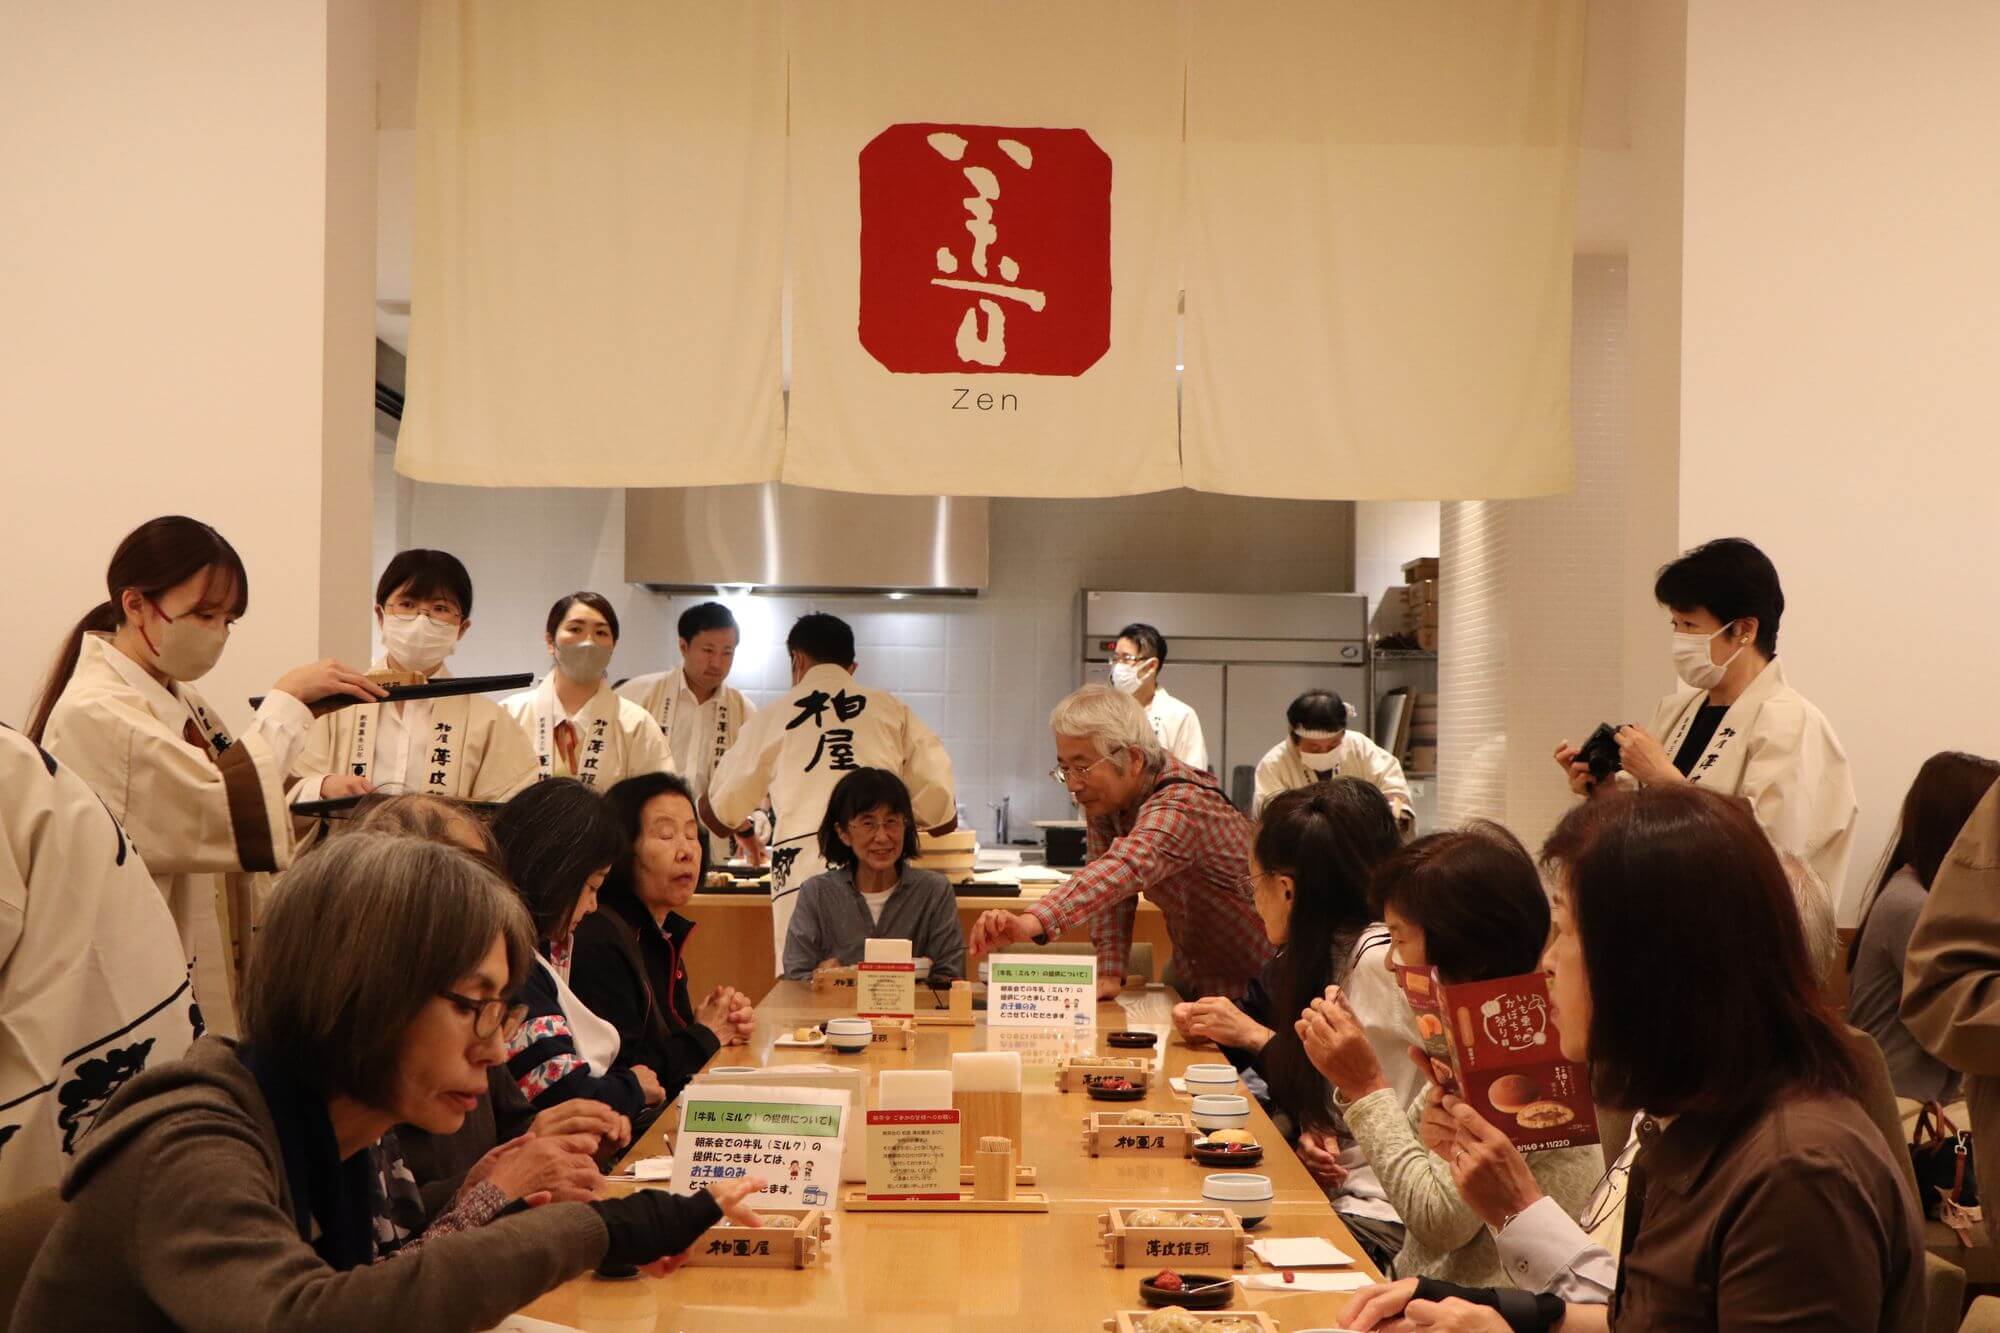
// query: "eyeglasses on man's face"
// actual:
[[1069, 777], [496, 1017]]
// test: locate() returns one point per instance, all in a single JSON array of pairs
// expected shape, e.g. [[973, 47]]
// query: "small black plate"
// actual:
[[1113, 1094], [1220, 1292], [1130, 1040], [1227, 1160]]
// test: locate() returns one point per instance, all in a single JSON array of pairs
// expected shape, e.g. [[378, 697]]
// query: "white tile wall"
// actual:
[[1531, 614], [982, 671]]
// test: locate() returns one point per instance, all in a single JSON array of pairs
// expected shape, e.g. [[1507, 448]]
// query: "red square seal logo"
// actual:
[[985, 249]]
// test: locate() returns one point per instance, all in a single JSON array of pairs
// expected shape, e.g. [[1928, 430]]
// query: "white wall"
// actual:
[[1838, 353], [982, 671], [164, 269], [1531, 597]]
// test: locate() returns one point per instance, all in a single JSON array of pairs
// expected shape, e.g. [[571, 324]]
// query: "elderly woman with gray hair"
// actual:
[[1157, 828], [231, 1189]]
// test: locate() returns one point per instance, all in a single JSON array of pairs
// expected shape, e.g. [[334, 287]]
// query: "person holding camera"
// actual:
[[1737, 727]]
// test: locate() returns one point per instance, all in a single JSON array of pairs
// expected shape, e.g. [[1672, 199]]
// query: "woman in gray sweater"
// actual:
[[231, 1189], [869, 838]]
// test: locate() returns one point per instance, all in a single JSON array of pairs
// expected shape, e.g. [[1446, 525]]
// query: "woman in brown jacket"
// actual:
[[232, 1189], [1761, 1193]]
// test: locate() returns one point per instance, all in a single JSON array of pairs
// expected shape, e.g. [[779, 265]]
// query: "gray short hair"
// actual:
[[357, 939], [1112, 720], [1816, 916]]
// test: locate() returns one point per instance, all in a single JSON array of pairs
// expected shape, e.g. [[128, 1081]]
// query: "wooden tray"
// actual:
[[894, 1034], [1104, 1133], [857, 1201], [1134, 1321], [1023, 1175], [1127, 1246], [726, 1246], [1070, 1074]]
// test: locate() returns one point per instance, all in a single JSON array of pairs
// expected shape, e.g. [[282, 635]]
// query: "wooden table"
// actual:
[[731, 945], [955, 1270]]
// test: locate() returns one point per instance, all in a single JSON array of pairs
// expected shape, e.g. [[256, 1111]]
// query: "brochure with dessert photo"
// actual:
[[1494, 1044]]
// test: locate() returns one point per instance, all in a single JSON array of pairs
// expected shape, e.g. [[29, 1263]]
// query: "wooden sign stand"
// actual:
[[958, 1015], [857, 1201]]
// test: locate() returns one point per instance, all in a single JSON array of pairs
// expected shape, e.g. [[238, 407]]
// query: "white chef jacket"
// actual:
[[1179, 730], [698, 733], [93, 984], [461, 746], [209, 818], [1282, 769], [616, 739], [1778, 752], [798, 749]]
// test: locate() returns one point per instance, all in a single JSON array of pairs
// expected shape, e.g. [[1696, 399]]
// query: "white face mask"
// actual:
[[1693, 664], [1321, 763], [418, 642], [1127, 677], [187, 649], [583, 662]]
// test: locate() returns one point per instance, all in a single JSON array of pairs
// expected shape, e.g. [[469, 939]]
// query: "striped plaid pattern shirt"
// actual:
[[1188, 849]]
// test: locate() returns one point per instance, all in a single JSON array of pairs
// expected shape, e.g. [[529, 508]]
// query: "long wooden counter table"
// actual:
[[961, 1270]]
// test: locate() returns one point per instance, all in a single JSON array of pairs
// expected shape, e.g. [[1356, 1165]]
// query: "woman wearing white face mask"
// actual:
[[1321, 746], [461, 746], [205, 810], [1737, 726], [577, 726]]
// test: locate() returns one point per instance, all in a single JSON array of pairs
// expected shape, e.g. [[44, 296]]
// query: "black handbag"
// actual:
[[1942, 1155]]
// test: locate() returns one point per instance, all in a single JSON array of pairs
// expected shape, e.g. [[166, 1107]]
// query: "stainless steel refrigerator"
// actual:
[[1239, 661]]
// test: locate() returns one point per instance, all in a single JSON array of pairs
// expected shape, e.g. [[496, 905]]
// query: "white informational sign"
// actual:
[[791, 1137], [913, 1155], [885, 990], [1042, 990]]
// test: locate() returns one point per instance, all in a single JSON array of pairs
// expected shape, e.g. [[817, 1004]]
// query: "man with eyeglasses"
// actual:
[[461, 746], [1156, 827]]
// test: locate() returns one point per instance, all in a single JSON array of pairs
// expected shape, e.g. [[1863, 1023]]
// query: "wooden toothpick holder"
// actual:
[[993, 1170]]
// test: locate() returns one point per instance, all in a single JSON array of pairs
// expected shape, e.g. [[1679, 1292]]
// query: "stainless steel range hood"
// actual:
[[794, 539]]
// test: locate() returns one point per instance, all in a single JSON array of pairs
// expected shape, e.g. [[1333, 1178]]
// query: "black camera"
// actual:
[[1600, 753]]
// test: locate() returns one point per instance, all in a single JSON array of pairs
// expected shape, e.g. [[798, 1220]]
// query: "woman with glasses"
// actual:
[[461, 746], [560, 840], [505, 1151], [231, 1189], [869, 838]]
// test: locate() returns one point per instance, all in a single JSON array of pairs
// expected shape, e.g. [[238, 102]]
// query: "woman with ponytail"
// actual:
[[1311, 866], [206, 811]]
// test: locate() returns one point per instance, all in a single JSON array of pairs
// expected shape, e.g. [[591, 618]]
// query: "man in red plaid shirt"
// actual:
[[1158, 828]]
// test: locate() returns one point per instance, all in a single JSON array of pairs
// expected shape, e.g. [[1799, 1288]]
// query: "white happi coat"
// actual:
[[616, 739], [462, 746], [1178, 728], [209, 818], [798, 749], [697, 733], [93, 984], [1282, 770], [1777, 751]]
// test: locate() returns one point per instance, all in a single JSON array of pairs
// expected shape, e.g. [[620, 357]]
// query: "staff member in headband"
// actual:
[[1320, 746]]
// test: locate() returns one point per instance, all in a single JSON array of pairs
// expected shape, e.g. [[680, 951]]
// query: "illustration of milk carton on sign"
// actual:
[[985, 249]]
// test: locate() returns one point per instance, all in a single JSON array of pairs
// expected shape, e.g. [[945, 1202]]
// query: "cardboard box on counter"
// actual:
[[1417, 571]]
